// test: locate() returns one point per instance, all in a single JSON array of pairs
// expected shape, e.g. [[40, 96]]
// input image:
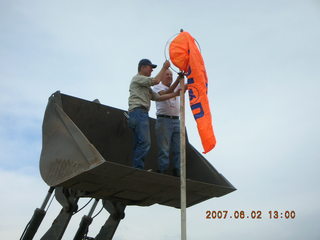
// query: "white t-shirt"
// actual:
[[169, 107]]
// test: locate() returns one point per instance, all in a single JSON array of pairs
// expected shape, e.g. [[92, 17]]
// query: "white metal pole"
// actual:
[[183, 196]]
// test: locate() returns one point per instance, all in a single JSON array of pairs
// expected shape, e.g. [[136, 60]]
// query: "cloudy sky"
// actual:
[[262, 60]]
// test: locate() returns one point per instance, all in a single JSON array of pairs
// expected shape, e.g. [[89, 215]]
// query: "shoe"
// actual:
[[149, 170], [176, 172], [138, 167]]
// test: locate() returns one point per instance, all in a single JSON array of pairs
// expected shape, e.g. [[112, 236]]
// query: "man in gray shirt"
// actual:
[[139, 104]]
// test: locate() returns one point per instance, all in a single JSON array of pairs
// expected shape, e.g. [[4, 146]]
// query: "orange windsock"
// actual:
[[185, 54]]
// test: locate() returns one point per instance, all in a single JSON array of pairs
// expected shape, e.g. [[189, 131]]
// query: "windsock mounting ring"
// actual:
[[166, 50]]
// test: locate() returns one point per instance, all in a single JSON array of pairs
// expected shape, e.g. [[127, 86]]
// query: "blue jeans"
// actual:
[[139, 123], [168, 138]]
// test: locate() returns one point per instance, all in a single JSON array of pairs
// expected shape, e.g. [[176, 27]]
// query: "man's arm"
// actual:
[[173, 86], [168, 96], [156, 80]]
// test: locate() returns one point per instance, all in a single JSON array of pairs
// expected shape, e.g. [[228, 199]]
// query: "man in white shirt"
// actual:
[[168, 124]]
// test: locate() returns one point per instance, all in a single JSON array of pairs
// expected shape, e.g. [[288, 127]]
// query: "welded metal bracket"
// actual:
[[116, 210], [68, 199]]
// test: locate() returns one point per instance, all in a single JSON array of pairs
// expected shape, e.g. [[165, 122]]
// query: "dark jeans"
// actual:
[[168, 138], [139, 123]]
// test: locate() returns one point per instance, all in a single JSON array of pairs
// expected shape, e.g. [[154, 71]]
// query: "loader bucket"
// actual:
[[87, 146]]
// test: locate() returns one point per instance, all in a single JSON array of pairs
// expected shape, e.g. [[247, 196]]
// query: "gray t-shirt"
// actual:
[[141, 93]]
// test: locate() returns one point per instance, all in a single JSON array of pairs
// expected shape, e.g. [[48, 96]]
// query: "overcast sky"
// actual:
[[263, 65]]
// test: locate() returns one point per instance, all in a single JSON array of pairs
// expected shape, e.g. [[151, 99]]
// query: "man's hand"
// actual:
[[177, 93], [166, 64], [181, 75], [156, 80]]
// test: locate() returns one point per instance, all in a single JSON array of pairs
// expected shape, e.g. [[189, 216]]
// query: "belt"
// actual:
[[140, 107], [167, 116]]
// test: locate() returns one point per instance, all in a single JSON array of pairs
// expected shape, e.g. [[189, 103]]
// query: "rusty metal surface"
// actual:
[[87, 146]]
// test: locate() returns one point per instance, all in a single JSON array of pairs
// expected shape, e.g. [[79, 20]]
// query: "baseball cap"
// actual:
[[145, 61]]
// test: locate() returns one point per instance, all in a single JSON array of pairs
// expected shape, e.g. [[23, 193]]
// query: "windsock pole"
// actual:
[[183, 196]]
